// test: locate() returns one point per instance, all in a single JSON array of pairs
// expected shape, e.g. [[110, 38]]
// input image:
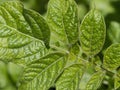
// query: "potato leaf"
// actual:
[[62, 17], [69, 80], [25, 21], [18, 47], [95, 81], [23, 33], [92, 33], [112, 57], [41, 74]]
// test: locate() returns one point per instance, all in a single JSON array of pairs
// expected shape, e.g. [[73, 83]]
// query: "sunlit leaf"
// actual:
[[95, 81], [23, 34], [42, 73], [70, 78], [112, 57], [28, 22], [92, 33], [62, 17]]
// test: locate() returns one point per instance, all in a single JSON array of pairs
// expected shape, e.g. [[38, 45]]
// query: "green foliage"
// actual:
[[56, 51], [13, 14], [112, 57], [42, 73], [62, 17], [70, 80], [95, 81], [11, 48], [92, 33]]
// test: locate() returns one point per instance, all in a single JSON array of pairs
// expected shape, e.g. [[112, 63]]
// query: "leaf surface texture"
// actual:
[[112, 57], [92, 33], [42, 73], [62, 17]]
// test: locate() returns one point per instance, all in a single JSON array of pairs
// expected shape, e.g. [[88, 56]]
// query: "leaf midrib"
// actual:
[[16, 24], [45, 69], [33, 38]]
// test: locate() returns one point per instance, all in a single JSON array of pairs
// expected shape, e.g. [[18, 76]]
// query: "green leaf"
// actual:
[[89, 70], [112, 57], [92, 33], [18, 47], [114, 32], [117, 80], [41, 74], [28, 22], [62, 17], [95, 81], [69, 80], [39, 27]]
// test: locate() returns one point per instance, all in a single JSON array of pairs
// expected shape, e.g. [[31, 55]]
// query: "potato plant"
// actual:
[[57, 52]]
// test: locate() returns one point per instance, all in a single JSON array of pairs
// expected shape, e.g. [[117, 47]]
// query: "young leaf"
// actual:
[[92, 33], [28, 22], [95, 81], [69, 80], [41, 74], [112, 57], [62, 17], [19, 47]]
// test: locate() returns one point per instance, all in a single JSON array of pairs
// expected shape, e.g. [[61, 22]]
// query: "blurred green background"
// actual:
[[9, 72]]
